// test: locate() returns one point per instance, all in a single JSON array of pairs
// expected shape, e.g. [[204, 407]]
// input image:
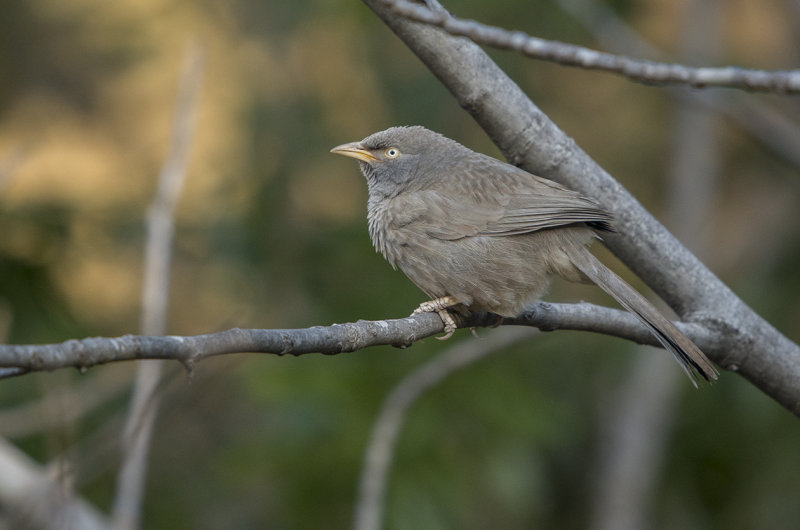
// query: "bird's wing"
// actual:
[[493, 198], [440, 215], [529, 212]]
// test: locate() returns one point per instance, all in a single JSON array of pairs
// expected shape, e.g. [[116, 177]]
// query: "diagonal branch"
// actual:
[[785, 81], [744, 342]]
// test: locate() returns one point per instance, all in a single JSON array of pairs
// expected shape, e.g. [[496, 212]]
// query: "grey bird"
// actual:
[[474, 232]]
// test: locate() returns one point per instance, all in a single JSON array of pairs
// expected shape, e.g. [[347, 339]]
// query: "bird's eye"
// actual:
[[392, 152]]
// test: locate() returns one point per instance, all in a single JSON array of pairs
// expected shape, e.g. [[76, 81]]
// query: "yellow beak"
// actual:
[[354, 150]]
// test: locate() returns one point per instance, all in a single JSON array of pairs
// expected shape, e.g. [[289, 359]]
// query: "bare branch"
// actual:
[[785, 81], [329, 340], [380, 450]]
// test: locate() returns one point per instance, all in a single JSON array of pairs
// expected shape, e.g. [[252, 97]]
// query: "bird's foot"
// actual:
[[439, 306]]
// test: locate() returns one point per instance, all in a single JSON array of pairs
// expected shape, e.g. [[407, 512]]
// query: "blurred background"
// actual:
[[271, 233]]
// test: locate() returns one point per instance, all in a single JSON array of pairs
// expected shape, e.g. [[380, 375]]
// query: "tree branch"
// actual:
[[743, 341], [328, 340], [786, 81]]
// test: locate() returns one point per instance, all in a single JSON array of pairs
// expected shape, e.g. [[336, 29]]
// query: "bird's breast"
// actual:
[[379, 219]]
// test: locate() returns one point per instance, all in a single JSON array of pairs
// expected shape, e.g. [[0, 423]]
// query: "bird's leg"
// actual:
[[439, 306]]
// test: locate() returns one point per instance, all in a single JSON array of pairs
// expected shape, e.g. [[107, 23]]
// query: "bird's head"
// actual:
[[391, 159]]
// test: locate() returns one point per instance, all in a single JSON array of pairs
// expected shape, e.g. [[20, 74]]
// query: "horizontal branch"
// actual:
[[329, 340], [782, 81]]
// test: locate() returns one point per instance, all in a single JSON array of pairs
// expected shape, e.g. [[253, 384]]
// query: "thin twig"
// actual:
[[783, 81], [160, 230], [380, 450]]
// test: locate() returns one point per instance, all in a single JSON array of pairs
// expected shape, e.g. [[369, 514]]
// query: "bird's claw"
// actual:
[[439, 306], [449, 323]]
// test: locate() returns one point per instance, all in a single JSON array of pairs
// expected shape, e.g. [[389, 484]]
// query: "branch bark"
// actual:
[[744, 342]]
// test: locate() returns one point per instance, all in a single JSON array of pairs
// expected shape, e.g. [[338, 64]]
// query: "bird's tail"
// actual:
[[689, 356]]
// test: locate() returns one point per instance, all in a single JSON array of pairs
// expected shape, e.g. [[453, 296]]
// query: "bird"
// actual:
[[477, 234]]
